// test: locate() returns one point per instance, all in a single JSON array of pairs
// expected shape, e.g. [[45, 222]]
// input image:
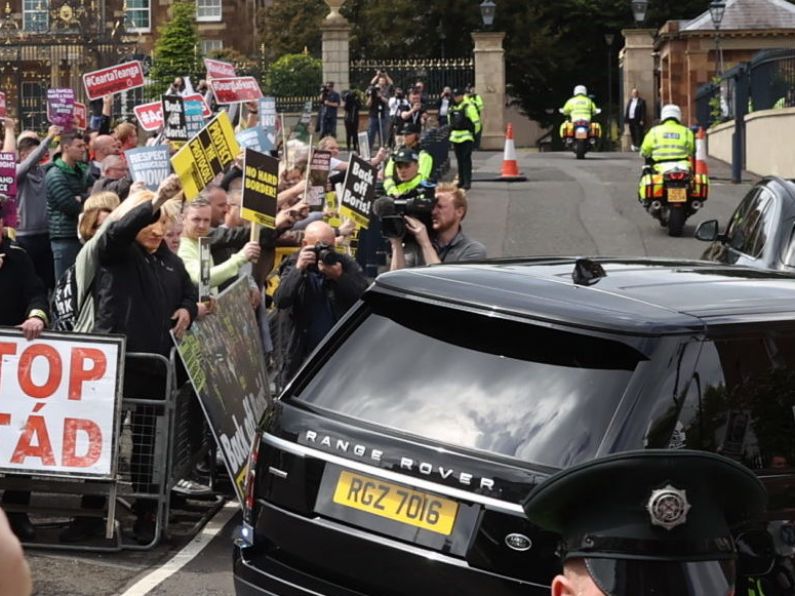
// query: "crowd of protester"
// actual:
[[85, 249]]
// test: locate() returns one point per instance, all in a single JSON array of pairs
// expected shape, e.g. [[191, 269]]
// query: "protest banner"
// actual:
[[235, 90], [205, 265], [149, 165], [81, 116], [206, 111], [194, 116], [358, 191], [260, 188], [3, 112], [318, 178], [267, 121], [223, 356], [252, 138], [364, 146], [218, 69], [206, 155], [61, 400], [174, 126], [149, 115], [61, 108], [8, 174], [107, 81], [301, 129]]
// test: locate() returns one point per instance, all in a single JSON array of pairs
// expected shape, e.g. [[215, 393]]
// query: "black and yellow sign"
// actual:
[[358, 191], [260, 187], [206, 155]]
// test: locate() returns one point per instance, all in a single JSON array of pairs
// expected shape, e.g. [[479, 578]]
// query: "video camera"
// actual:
[[326, 254], [417, 203]]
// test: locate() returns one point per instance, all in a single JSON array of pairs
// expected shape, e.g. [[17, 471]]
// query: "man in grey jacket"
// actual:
[[32, 231]]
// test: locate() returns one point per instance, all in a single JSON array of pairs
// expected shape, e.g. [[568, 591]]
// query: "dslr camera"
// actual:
[[418, 203], [326, 254], [374, 91]]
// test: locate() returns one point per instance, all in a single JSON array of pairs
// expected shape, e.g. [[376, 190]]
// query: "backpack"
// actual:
[[64, 302]]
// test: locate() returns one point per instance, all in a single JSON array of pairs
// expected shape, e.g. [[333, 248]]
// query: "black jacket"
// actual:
[[21, 290], [136, 293], [294, 302]]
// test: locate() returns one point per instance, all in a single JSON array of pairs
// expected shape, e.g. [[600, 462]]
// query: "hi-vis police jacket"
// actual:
[[580, 107], [464, 122], [669, 143], [392, 184]]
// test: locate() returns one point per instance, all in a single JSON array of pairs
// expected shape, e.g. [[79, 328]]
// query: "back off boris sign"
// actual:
[[60, 403]]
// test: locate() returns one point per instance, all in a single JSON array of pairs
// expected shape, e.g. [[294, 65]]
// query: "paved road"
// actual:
[[566, 207]]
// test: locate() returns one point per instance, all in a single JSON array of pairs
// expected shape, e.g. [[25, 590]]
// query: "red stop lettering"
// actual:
[[42, 448], [54, 373], [71, 427], [78, 374]]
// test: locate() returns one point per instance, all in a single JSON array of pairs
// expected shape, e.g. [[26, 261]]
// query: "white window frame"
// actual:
[[209, 11], [211, 45], [30, 8], [129, 12]]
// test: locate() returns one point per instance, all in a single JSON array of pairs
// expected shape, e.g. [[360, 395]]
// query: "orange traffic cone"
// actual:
[[510, 169], [701, 153]]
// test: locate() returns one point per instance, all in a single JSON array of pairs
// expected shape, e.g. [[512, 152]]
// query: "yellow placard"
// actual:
[[206, 155], [395, 502]]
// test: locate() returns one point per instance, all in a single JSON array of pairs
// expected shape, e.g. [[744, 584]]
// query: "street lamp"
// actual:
[[717, 8], [487, 10], [609, 38], [639, 10]]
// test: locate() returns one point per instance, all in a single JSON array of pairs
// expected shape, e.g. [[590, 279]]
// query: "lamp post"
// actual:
[[487, 11], [716, 10], [639, 8], [609, 38]]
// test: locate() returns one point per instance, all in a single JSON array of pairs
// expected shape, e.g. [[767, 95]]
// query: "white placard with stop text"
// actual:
[[60, 398]]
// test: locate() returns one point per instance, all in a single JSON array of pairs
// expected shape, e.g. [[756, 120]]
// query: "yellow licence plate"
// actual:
[[396, 502], [677, 195]]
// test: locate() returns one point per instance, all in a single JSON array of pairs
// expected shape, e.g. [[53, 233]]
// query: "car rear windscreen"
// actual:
[[521, 390]]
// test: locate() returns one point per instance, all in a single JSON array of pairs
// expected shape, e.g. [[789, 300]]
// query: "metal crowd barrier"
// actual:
[[157, 447]]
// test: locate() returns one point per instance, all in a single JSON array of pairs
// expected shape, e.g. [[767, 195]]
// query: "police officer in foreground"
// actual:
[[464, 125], [667, 145], [651, 522], [397, 183]]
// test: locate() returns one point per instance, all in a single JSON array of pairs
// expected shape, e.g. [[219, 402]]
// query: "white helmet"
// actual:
[[580, 90], [671, 111]]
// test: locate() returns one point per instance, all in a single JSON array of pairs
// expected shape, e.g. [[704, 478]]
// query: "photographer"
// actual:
[[414, 111], [445, 242], [330, 100], [378, 108], [317, 287], [409, 166]]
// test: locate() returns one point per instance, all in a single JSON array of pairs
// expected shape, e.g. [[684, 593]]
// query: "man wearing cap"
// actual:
[[399, 181], [652, 522], [464, 125]]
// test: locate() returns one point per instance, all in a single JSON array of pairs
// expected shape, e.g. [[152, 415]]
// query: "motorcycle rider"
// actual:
[[578, 107], [408, 136], [669, 144]]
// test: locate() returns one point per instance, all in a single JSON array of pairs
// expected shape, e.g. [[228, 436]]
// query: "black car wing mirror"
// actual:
[[708, 231]]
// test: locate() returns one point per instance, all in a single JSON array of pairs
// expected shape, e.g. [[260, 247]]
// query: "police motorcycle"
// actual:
[[580, 135], [671, 192]]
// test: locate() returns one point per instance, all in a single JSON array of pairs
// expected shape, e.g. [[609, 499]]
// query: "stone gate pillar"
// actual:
[[490, 85], [336, 47], [637, 62]]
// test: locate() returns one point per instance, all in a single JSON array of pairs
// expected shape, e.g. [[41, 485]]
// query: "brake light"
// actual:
[[251, 477], [677, 175]]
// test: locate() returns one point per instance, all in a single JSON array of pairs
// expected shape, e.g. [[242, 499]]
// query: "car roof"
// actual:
[[638, 296]]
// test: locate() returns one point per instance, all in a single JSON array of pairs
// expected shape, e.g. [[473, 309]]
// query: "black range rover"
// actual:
[[396, 460]]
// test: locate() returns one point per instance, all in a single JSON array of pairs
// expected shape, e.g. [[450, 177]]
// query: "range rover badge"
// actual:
[[518, 542]]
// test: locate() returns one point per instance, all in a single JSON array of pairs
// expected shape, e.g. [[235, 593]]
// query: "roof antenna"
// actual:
[[587, 272]]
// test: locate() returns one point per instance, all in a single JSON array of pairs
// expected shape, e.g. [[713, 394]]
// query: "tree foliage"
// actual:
[[176, 52], [294, 75], [549, 46]]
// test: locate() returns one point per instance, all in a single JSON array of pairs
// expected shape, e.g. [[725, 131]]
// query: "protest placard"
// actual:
[[81, 116], [149, 165], [235, 90], [206, 155], [175, 128], [205, 265], [60, 406], [106, 81], [194, 116], [150, 115], [364, 146], [61, 108], [223, 356], [358, 191], [252, 138], [8, 174], [218, 69], [206, 111], [301, 129], [267, 121], [260, 188], [318, 178], [3, 112]]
